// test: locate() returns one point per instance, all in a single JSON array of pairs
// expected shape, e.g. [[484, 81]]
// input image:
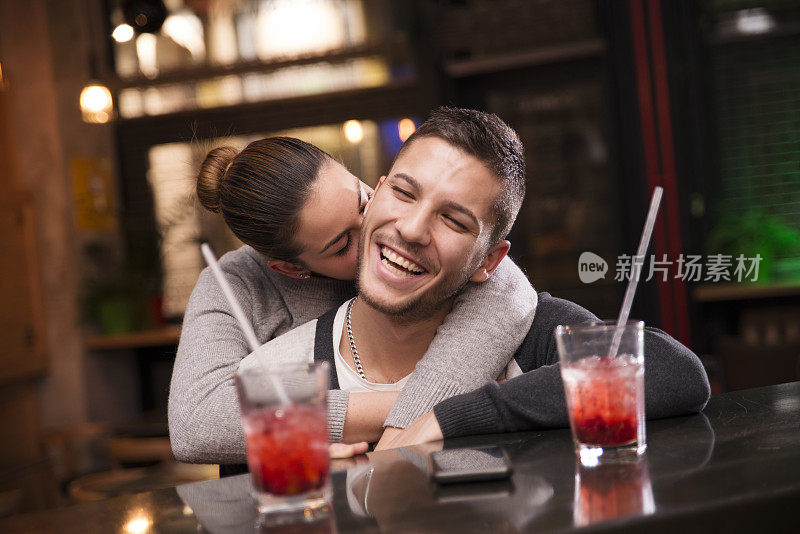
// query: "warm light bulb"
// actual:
[[96, 104], [95, 98], [138, 525], [122, 33], [405, 128], [353, 131]]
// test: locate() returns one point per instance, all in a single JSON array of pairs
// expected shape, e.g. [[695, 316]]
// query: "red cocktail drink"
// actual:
[[285, 420], [287, 449], [602, 399], [604, 394]]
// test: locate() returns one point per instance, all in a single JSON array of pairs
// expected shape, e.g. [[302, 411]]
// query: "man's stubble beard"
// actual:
[[424, 305]]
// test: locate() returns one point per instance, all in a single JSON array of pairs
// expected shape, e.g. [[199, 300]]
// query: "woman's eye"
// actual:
[[342, 251]]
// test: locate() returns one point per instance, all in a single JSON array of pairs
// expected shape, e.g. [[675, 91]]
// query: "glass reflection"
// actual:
[[139, 523], [610, 490], [317, 522]]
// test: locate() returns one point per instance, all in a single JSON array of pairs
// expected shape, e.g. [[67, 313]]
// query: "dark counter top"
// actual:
[[734, 468]]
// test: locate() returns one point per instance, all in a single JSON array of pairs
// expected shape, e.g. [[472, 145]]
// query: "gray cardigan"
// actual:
[[471, 347]]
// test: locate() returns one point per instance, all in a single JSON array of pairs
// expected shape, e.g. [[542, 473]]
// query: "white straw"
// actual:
[[636, 269], [245, 325]]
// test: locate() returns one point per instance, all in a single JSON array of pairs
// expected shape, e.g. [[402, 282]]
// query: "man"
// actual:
[[437, 221]]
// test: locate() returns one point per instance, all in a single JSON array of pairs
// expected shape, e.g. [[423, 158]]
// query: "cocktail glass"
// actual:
[[605, 394], [287, 443]]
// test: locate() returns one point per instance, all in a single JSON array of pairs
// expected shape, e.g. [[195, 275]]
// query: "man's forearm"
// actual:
[[675, 384], [366, 412]]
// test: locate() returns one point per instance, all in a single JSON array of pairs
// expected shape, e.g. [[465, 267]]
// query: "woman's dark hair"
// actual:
[[261, 190]]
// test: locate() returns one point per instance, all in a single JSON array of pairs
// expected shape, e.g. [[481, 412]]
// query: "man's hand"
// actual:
[[424, 429]]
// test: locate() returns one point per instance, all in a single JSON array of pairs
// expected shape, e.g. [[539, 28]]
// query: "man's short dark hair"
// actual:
[[487, 138]]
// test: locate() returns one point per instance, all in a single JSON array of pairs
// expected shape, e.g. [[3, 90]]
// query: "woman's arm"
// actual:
[[366, 412], [473, 345], [204, 419]]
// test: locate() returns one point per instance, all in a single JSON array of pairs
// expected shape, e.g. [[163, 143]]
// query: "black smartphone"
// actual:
[[469, 465]]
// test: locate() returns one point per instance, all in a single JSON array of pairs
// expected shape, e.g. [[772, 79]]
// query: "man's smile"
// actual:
[[394, 260], [397, 269]]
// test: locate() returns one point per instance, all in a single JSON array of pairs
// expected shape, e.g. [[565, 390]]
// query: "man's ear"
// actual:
[[491, 261], [293, 270], [369, 202]]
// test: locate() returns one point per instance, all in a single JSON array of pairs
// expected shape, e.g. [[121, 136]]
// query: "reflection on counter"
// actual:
[[611, 490]]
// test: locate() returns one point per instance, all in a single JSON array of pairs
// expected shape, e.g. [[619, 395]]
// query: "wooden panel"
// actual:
[[21, 314], [22, 349], [9, 176], [28, 488], [25, 481], [19, 425]]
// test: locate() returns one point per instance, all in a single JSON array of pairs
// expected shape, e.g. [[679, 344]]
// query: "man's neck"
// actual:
[[389, 347]]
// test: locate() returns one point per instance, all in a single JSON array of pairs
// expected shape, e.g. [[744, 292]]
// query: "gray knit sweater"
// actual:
[[472, 346]]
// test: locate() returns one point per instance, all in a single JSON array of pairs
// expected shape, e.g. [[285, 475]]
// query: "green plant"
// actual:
[[751, 233], [118, 292]]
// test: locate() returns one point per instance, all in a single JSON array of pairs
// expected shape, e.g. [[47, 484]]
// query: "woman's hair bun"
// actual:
[[211, 174]]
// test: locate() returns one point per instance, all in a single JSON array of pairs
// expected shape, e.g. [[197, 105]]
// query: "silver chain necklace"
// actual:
[[353, 349]]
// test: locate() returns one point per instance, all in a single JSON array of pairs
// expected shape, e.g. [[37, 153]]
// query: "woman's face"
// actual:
[[330, 223]]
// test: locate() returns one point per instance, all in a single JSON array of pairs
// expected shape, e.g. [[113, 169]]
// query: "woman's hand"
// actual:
[[423, 430], [347, 450], [346, 455]]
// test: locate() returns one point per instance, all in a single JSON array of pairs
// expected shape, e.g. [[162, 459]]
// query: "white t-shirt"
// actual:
[[348, 377]]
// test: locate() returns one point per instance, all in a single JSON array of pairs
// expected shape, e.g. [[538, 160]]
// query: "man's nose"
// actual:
[[414, 227]]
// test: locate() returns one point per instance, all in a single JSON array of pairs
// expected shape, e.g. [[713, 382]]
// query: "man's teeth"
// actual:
[[399, 260], [395, 269]]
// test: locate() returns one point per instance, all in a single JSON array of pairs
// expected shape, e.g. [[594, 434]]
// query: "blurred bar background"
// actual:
[[107, 108]]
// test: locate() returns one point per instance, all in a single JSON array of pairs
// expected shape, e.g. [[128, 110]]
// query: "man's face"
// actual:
[[426, 232]]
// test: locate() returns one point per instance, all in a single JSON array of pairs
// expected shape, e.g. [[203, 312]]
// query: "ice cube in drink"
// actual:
[[605, 400], [287, 448]]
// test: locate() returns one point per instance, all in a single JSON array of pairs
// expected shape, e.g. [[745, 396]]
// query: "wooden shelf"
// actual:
[[728, 292], [167, 335], [393, 48], [459, 68]]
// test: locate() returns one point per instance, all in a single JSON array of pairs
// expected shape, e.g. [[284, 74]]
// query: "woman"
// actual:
[[299, 213]]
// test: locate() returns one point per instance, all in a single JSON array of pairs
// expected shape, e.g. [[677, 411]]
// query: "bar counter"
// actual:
[[733, 468]]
